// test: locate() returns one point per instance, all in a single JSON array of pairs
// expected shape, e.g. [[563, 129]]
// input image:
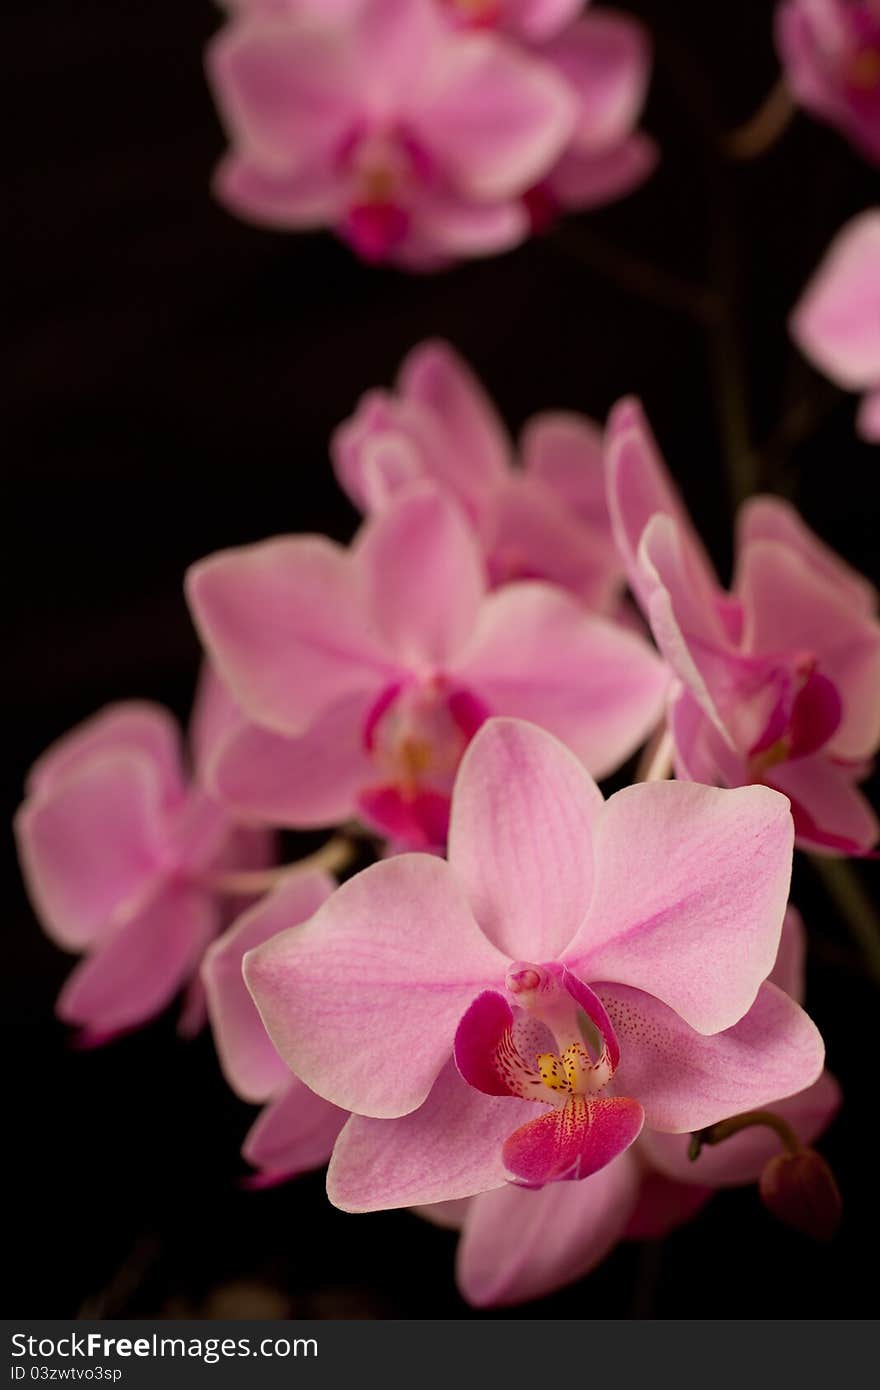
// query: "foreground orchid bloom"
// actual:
[[296, 1130], [831, 53], [519, 1244], [837, 321], [365, 672], [413, 139], [779, 677], [577, 972], [121, 852], [542, 518]]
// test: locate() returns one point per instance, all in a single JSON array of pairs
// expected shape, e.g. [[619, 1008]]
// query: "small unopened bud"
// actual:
[[799, 1189]]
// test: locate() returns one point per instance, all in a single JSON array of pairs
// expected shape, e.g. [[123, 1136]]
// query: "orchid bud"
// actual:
[[800, 1189]]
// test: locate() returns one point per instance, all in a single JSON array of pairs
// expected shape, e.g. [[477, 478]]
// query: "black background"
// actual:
[[173, 377]]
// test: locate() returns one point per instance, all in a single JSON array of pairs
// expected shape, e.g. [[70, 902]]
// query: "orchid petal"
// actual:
[[293, 1134], [766, 518], [449, 1216], [487, 1053], [789, 605], [89, 846], [362, 1001], [532, 534], [285, 93], [247, 1057], [134, 727], [498, 120], [690, 889], [606, 59], [537, 655], [583, 180], [422, 1158], [686, 1081], [639, 486], [830, 814], [535, 20], [285, 625], [687, 620], [304, 781], [519, 1244], [133, 975], [835, 323], [423, 578], [664, 1204], [519, 838], [789, 971], [573, 1140], [564, 451], [434, 377], [297, 200]]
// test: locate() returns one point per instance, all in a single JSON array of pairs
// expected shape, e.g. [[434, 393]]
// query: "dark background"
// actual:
[[173, 377]]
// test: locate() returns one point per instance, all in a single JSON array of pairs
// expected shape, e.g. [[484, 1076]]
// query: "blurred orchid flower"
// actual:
[[542, 516], [413, 139], [296, 1130], [836, 323], [363, 673], [779, 677], [121, 848], [831, 53], [425, 131]]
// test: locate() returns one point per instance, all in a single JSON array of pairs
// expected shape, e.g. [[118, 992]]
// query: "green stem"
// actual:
[[725, 1129], [336, 855], [762, 130], [637, 277]]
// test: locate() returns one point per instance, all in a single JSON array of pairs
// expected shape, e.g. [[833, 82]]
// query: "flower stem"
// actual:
[[336, 855], [636, 276], [768, 124], [854, 905], [725, 1129], [655, 764]]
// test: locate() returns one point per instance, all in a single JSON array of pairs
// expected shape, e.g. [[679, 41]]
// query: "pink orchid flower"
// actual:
[[363, 673], [836, 324], [542, 516], [531, 20], [413, 139], [518, 1244], [120, 850], [296, 1130], [605, 58], [831, 53], [577, 971], [779, 677]]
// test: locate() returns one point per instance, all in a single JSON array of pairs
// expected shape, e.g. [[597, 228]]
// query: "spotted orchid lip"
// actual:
[[537, 1050], [559, 1043]]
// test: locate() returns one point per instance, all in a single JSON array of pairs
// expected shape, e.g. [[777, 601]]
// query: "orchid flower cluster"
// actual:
[[547, 1018]]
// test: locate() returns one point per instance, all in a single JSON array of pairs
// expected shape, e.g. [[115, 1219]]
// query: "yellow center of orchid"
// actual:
[[573, 1072], [417, 742]]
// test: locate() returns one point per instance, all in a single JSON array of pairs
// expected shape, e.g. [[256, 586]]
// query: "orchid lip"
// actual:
[[558, 1041]]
